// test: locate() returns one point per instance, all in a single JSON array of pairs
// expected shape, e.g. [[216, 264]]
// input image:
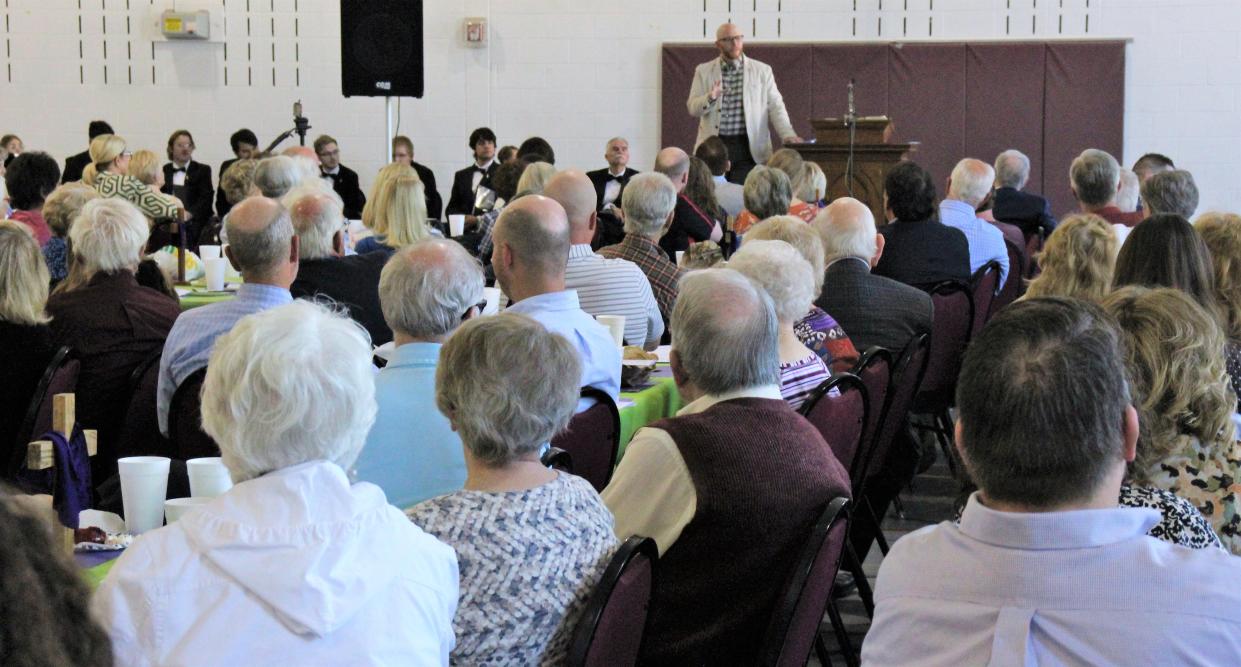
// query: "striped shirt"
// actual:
[[660, 271], [193, 335], [798, 379], [615, 287], [732, 109]]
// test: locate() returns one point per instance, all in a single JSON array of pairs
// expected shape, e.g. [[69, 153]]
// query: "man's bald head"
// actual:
[[575, 193], [536, 230], [847, 228], [673, 163], [971, 181], [728, 39], [318, 218], [260, 238], [302, 151]]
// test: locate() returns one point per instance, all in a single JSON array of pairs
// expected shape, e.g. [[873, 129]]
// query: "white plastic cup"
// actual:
[[175, 508], [680, 257], [208, 477], [456, 224], [616, 325], [144, 485], [492, 295], [215, 273], [206, 252]]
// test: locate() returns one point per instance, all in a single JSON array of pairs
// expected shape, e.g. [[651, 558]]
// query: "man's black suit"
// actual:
[[345, 183], [352, 282], [600, 177], [1028, 211], [74, 164], [610, 229], [923, 253], [435, 205], [462, 198], [196, 194], [871, 309], [688, 223], [222, 207]]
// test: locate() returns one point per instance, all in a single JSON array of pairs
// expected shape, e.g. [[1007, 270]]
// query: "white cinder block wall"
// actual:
[[573, 71]]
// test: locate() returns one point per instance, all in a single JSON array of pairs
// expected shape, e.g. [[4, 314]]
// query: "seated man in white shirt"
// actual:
[[968, 186], [604, 286], [531, 240], [1044, 568]]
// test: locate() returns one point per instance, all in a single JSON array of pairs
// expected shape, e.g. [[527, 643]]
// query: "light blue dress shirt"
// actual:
[[985, 239], [411, 452], [1084, 587], [189, 344], [561, 313]]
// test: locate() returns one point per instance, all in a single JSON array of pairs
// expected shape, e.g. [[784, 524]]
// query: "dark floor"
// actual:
[[929, 502]]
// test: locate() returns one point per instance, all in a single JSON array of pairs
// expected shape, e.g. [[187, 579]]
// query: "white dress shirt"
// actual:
[[561, 313], [1085, 587], [611, 190], [615, 287], [477, 176]]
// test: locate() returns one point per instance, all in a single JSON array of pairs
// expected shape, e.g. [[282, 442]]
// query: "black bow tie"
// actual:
[[331, 176], [176, 169], [480, 170], [619, 179]]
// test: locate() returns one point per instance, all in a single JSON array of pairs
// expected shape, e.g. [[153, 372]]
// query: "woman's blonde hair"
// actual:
[[238, 180], [1222, 234], [811, 184], [1175, 358], [103, 150], [23, 276], [1078, 260], [534, 179], [64, 204], [386, 173], [144, 166], [401, 210]]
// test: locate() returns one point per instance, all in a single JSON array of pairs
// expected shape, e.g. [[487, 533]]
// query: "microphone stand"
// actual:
[[851, 123]]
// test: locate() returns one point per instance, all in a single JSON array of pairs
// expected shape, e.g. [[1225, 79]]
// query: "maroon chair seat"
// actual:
[[610, 630], [874, 368], [1015, 286], [60, 377], [795, 621], [593, 439], [841, 418], [985, 283], [185, 428]]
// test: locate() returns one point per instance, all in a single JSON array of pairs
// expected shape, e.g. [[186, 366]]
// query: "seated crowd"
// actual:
[[392, 503]]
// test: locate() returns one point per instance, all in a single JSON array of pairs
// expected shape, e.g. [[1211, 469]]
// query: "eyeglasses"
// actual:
[[126, 154], [481, 306], [734, 38], [330, 153]]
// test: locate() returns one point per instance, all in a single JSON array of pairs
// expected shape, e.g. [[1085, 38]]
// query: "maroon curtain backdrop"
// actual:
[[1050, 100]]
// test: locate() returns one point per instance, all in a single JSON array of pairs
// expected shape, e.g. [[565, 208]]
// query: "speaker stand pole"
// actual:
[[390, 110]]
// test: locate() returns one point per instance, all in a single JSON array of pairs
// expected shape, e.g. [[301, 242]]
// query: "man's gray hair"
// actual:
[[508, 385], [259, 251], [971, 181], [767, 192], [724, 331], [674, 168], [647, 202], [1095, 175], [795, 232], [1130, 188], [275, 176], [317, 218], [1171, 192], [1012, 169], [782, 272], [109, 235], [426, 288], [289, 385], [846, 235]]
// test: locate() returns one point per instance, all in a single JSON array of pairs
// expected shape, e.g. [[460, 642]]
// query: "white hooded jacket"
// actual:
[[296, 567]]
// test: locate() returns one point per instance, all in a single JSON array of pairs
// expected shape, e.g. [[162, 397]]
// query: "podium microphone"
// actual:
[[851, 123], [851, 117]]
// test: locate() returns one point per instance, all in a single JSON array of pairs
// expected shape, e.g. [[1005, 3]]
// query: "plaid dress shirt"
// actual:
[[654, 262], [732, 112]]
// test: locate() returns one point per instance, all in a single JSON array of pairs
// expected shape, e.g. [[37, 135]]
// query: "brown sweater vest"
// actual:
[[762, 475]]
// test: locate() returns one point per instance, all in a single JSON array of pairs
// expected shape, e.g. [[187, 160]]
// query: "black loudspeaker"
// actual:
[[381, 48]]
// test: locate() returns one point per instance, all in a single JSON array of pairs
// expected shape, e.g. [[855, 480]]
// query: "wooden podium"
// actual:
[[873, 156]]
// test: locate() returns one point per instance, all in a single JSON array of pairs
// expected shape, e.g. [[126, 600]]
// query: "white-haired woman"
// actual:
[[108, 173], [112, 323], [767, 193], [531, 542], [294, 565], [787, 277], [25, 341]]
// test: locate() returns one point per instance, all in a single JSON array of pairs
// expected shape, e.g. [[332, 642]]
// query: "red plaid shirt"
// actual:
[[654, 262]]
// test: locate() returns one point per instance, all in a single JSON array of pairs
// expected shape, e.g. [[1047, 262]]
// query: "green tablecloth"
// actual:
[[94, 576]]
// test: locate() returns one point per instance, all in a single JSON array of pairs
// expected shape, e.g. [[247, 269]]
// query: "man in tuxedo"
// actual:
[[1027, 210], [344, 180], [733, 97], [609, 183], [689, 223], [466, 181], [74, 164], [245, 145], [190, 182], [403, 152]]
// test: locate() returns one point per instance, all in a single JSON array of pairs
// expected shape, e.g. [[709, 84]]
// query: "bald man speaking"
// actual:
[[734, 97]]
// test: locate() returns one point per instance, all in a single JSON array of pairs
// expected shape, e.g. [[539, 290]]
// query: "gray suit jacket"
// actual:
[[871, 309]]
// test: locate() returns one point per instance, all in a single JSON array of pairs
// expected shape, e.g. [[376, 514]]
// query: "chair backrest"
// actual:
[[985, 283], [907, 375], [1034, 244], [593, 439], [1015, 286], [609, 632], [140, 434], [557, 458], [951, 325], [874, 368], [185, 421], [839, 416], [60, 377], [798, 613]]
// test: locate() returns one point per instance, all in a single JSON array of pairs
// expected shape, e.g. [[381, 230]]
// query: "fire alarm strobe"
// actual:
[[185, 25]]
